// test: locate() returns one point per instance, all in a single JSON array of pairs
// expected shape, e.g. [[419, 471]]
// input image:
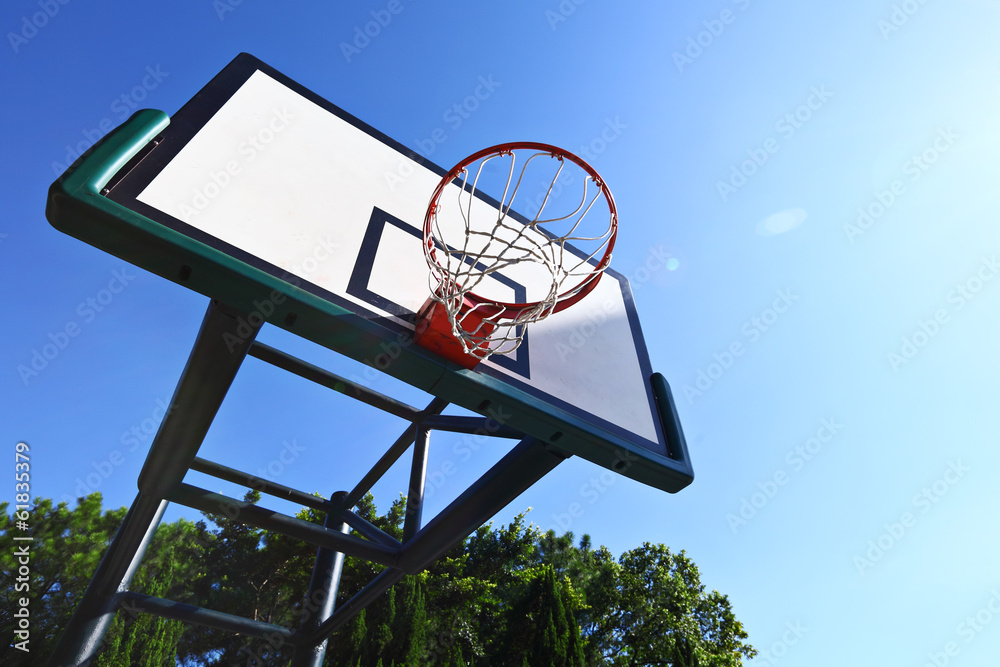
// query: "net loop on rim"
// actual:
[[486, 238]]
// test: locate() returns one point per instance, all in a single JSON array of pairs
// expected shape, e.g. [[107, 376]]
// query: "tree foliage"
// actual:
[[66, 548], [508, 595]]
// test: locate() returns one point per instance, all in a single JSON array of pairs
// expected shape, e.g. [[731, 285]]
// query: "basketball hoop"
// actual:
[[557, 244]]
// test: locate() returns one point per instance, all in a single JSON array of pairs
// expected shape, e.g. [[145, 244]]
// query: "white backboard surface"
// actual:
[[260, 187], [279, 177]]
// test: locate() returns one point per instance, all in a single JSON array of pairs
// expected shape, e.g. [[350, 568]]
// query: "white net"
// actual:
[[514, 234]]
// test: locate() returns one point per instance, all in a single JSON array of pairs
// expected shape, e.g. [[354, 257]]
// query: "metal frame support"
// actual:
[[418, 479], [527, 463], [521, 468], [222, 344], [209, 618], [225, 339], [82, 638], [322, 596]]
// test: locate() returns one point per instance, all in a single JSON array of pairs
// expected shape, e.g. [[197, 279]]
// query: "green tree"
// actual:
[[66, 548], [665, 617], [353, 648], [542, 628], [409, 631], [142, 640], [509, 595], [251, 573]]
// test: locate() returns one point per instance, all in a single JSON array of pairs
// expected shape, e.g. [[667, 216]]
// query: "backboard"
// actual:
[[263, 195]]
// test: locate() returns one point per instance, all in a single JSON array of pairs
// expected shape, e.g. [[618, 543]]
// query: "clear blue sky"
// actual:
[[749, 139]]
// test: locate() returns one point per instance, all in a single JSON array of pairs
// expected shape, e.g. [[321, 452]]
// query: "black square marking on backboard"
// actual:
[[358, 286]]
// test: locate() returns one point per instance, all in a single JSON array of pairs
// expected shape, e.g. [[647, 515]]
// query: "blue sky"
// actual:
[[835, 162]]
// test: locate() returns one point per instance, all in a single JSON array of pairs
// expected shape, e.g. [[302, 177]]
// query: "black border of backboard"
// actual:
[[135, 176]]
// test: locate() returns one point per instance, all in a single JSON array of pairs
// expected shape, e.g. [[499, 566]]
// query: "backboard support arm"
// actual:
[[224, 340], [216, 357]]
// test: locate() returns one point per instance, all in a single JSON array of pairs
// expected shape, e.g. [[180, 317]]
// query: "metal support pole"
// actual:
[[322, 595], [223, 342], [524, 465], [330, 380], [294, 527], [209, 618], [219, 350], [479, 425], [390, 457], [258, 484], [382, 582], [367, 529], [418, 478], [83, 636]]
